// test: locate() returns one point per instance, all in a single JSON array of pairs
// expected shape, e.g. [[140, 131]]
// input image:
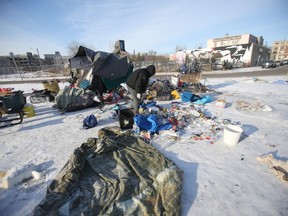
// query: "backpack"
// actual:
[[89, 122]]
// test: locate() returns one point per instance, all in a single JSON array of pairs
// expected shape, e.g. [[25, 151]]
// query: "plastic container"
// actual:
[[232, 134], [126, 119], [221, 103], [29, 110]]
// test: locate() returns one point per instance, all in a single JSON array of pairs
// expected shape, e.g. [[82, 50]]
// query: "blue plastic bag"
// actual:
[[186, 96], [89, 122], [204, 100], [151, 123]]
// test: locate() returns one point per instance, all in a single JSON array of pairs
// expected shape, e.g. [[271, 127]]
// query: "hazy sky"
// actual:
[[158, 25]]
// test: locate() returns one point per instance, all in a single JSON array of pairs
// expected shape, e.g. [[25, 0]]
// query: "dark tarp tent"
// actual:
[[113, 69]]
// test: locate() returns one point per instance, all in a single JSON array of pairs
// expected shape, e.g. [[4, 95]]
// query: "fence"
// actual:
[[57, 69]]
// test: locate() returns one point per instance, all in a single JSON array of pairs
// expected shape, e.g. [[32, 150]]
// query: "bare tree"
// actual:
[[152, 53], [180, 48]]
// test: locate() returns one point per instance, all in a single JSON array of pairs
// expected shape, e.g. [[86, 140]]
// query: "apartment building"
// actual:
[[279, 50], [51, 59], [245, 48]]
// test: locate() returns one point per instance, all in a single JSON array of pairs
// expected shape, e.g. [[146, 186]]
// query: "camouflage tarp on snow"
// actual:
[[116, 174], [73, 99]]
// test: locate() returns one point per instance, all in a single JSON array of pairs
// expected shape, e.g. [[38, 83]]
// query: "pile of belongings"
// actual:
[[48, 94], [74, 99], [42, 96], [160, 90], [115, 174]]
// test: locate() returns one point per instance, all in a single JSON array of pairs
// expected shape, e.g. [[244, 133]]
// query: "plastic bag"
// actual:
[[89, 122]]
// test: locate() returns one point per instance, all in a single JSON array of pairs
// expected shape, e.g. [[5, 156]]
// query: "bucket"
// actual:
[[29, 110], [126, 119], [232, 134]]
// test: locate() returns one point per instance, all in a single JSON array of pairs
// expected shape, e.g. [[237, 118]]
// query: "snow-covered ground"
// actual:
[[219, 179]]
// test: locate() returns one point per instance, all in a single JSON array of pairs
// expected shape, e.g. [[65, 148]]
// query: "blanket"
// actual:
[[74, 99], [115, 174]]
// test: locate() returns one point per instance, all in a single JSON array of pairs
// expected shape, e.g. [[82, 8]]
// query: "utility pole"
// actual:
[[39, 58], [11, 53]]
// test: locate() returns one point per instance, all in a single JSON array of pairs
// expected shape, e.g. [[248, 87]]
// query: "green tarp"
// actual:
[[115, 174]]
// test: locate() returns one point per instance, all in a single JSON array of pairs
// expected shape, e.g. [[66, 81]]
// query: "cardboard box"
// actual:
[[221, 103]]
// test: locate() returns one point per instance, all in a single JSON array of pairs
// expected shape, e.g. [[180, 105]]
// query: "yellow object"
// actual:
[[29, 110], [141, 110], [175, 94], [52, 85]]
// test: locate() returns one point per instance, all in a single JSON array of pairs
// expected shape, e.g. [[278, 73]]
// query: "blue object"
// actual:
[[151, 123], [89, 122], [85, 84], [203, 100], [186, 96], [148, 104]]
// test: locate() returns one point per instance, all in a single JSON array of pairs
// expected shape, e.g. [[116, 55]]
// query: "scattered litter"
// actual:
[[254, 106], [279, 167], [220, 103]]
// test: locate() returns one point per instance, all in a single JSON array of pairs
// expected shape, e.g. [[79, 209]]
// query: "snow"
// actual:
[[219, 179]]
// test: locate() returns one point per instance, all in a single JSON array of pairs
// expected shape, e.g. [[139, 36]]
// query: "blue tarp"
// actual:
[[151, 123]]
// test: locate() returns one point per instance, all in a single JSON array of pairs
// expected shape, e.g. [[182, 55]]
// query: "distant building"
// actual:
[[51, 59], [29, 59], [32, 62], [245, 48], [280, 50], [238, 51], [22, 60]]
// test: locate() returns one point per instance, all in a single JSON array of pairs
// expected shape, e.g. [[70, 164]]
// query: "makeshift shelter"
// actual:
[[106, 70]]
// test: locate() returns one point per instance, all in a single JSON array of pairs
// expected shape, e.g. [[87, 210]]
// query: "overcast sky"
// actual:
[[158, 25]]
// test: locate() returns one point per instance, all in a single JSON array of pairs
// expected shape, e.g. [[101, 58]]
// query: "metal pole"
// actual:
[[39, 59], [16, 67]]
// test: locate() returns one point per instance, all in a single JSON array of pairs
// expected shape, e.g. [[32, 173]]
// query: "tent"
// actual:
[[109, 69]]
